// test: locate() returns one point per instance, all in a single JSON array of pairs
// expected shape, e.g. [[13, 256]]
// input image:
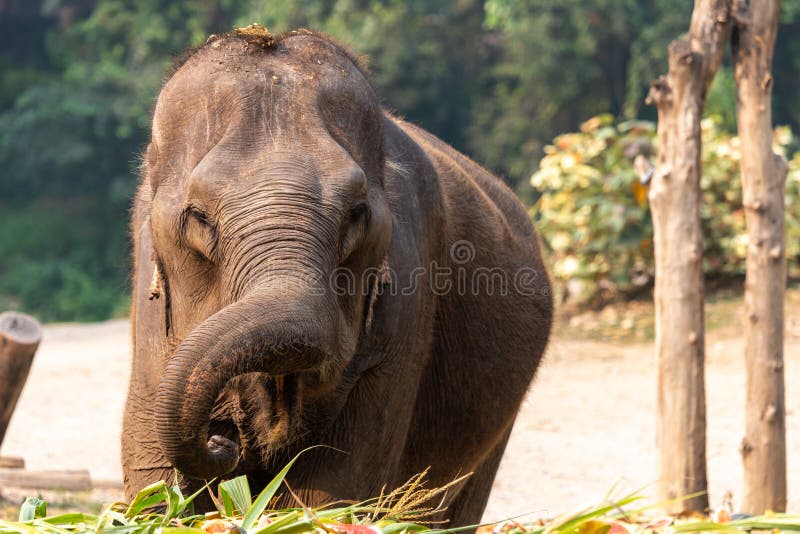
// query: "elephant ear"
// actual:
[[142, 460], [150, 310], [382, 278]]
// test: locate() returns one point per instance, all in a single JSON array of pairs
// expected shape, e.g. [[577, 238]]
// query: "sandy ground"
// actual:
[[588, 421]]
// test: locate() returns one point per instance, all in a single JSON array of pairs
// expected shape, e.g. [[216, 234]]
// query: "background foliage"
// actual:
[[595, 220], [498, 79]]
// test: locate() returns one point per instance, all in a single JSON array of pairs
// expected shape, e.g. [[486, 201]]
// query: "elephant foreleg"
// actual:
[[467, 507]]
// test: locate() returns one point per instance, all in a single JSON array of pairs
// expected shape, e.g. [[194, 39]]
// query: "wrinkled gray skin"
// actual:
[[270, 167]]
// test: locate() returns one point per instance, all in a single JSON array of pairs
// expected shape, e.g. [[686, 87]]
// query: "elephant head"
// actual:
[[266, 178]]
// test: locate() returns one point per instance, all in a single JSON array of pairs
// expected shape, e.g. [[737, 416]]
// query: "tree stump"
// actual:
[[19, 338], [763, 182]]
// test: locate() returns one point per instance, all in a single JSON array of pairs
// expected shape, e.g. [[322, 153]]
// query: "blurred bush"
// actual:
[[594, 217], [58, 259]]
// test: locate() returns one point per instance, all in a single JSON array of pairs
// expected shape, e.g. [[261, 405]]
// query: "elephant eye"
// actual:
[[358, 211], [199, 232], [355, 229], [198, 215]]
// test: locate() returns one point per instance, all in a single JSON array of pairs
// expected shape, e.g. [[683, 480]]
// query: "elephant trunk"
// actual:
[[261, 333]]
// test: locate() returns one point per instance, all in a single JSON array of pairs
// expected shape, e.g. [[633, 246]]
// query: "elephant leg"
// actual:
[[142, 460], [137, 478], [467, 507]]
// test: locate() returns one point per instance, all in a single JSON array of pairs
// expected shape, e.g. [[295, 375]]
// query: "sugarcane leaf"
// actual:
[[32, 508], [262, 501], [149, 496], [279, 523], [395, 528], [238, 495]]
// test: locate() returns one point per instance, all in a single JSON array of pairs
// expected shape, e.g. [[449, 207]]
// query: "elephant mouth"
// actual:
[[260, 412], [284, 409]]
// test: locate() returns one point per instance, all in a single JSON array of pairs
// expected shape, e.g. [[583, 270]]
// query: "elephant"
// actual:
[[310, 269]]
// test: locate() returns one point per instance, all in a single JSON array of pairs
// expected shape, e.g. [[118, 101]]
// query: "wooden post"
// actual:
[[675, 205], [763, 180], [19, 338]]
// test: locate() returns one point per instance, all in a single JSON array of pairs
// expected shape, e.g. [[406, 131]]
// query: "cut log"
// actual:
[[11, 462], [78, 480], [19, 338]]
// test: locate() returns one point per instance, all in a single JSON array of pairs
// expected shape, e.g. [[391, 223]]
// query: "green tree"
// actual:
[[560, 62], [426, 55], [497, 79], [68, 145]]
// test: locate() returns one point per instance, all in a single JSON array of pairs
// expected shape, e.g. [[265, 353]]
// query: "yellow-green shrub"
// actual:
[[594, 217]]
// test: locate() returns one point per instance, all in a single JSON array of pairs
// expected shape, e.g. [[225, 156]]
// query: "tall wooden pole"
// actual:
[[763, 181], [675, 205], [19, 339]]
